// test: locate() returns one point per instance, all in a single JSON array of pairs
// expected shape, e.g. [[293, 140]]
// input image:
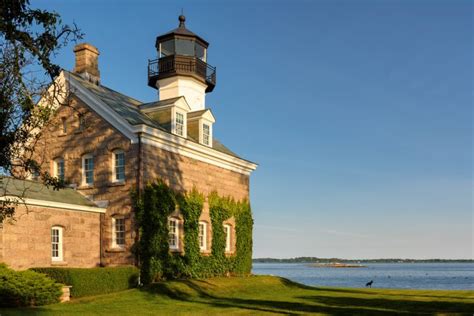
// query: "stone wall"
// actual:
[[99, 138], [26, 242], [182, 174]]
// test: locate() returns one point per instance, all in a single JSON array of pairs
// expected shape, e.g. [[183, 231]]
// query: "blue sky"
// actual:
[[359, 113]]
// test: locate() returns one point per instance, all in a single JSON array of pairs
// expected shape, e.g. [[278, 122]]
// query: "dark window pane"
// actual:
[[200, 52], [167, 48], [184, 47]]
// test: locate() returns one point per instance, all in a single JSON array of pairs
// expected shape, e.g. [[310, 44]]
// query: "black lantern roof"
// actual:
[[181, 31]]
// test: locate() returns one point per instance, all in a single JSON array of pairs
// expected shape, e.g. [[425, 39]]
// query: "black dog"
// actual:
[[369, 284]]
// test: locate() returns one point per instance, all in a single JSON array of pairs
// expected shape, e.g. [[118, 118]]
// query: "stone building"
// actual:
[[105, 144]]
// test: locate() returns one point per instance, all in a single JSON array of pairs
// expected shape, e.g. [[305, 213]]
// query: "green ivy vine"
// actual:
[[153, 208]]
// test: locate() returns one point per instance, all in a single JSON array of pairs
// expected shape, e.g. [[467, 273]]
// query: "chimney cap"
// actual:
[[89, 47]]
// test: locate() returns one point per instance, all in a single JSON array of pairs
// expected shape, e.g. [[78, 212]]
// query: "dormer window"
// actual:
[[206, 134], [179, 124]]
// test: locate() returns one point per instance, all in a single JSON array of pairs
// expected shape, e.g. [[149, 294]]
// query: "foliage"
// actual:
[[332, 260], [29, 38], [93, 281], [27, 288], [153, 209], [152, 216]]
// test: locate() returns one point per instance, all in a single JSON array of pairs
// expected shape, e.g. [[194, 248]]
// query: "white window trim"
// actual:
[[60, 244], [114, 235], [114, 173], [87, 156], [56, 167], [204, 236], [201, 132], [173, 123], [176, 222], [228, 237]]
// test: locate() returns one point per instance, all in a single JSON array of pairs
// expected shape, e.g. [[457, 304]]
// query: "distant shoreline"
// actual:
[[356, 261]]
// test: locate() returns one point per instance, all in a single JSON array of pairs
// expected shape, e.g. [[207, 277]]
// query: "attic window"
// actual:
[[179, 124], [206, 134]]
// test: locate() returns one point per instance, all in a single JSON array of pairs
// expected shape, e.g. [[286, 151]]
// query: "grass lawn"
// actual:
[[259, 295]]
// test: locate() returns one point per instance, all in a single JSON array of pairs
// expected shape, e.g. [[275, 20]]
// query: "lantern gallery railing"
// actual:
[[177, 64]]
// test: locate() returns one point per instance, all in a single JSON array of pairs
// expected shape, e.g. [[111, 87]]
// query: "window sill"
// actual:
[[175, 250], [117, 183], [58, 263], [62, 135], [86, 186], [115, 249]]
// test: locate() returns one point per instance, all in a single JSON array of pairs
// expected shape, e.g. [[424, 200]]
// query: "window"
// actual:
[[173, 233], [88, 170], [35, 174], [59, 168], [56, 243], [119, 166], [184, 47], [64, 125], [202, 235], [167, 48], [118, 232], [82, 122], [227, 232], [206, 134], [200, 52], [179, 124]]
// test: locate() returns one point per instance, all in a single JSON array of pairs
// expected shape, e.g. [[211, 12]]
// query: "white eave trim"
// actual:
[[184, 147], [52, 204]]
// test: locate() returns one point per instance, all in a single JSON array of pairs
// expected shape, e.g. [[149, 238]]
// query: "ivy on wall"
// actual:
[[158, 202]]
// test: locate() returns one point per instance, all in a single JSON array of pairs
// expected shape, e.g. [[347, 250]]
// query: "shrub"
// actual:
[[93, 281], [27, 288]]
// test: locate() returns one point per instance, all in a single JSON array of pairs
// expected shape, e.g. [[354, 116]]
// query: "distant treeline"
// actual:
[[329, 260]]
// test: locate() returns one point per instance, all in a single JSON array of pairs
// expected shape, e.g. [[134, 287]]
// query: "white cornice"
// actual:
[[51, 204], [193, 150]]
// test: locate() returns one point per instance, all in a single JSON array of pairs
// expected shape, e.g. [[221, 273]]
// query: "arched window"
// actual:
[[87, 169], [118, 166], [202, 236], [228, 237], [173, 235], [56, 243]]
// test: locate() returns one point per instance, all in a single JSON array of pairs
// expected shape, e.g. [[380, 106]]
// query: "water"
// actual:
[[447, 276]]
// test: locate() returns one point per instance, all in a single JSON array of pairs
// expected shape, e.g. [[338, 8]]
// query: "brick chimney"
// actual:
[[87, 64]]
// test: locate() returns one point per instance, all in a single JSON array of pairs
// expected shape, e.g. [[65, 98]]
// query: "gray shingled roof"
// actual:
[[159, 103], [129, 109], [36, 190]]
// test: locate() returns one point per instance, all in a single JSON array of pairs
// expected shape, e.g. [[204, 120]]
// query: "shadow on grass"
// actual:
[[193, 292], [196, 292]]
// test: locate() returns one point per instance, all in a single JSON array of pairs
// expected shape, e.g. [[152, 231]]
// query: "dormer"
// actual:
[[200, 126], [171, 114]]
